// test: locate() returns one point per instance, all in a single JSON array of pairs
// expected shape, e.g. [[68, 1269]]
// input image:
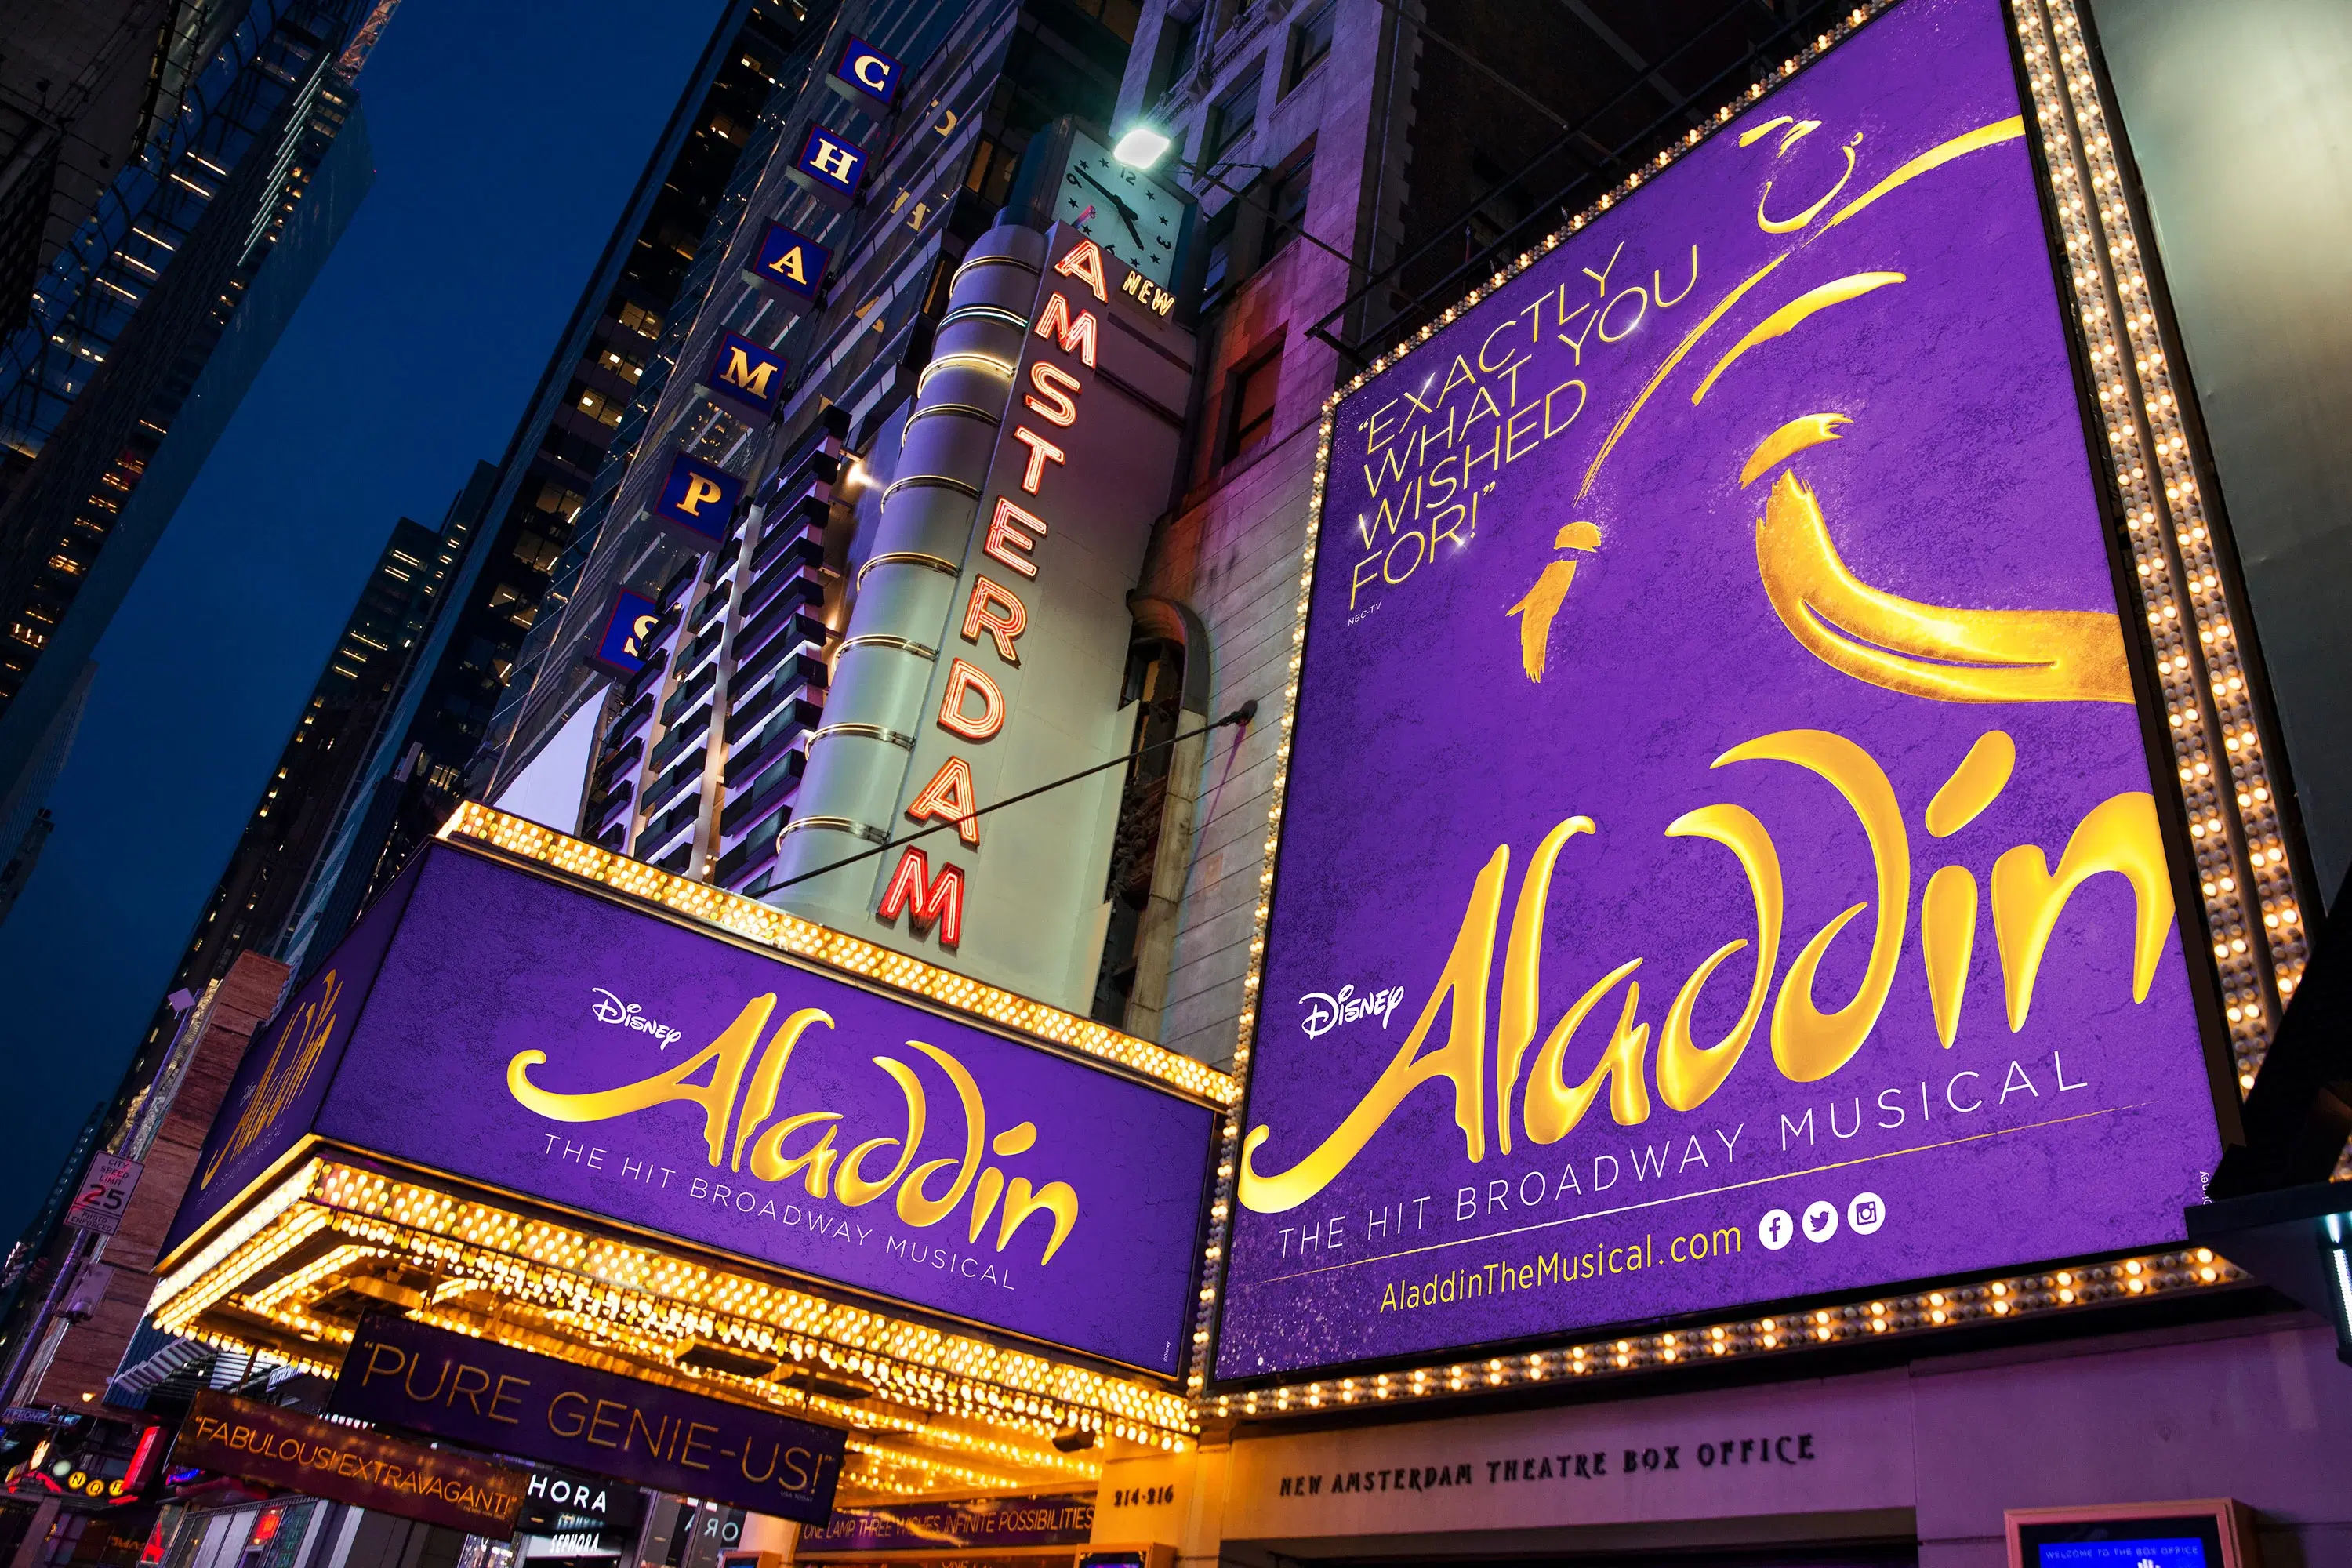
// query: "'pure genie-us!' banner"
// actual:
[[1715, 718]]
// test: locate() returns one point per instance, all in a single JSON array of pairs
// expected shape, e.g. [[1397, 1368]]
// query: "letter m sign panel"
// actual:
[[745, 377]]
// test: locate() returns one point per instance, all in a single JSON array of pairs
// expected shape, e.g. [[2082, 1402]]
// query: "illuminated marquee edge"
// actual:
[[642, 1301], [772, 927], [2259, 942]]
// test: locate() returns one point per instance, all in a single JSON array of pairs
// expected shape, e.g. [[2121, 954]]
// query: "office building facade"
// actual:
[[613, 357], [151, 324]]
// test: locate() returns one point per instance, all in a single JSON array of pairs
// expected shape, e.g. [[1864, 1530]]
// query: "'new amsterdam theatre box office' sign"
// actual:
[[1769, 896], [488, 1022]]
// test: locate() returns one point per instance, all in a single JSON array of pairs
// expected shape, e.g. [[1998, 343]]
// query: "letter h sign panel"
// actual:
[[831, 168]]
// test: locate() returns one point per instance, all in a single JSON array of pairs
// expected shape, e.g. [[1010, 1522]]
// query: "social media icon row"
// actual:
[[1864, 1215]]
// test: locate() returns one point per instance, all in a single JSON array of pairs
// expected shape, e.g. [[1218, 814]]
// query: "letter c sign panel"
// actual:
[[867, 77]]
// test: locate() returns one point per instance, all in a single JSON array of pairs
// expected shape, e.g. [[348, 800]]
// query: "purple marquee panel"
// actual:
[[282, 1080], [1728, 591], [554, 1042]]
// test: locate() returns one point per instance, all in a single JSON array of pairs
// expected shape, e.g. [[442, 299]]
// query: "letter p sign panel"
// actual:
[[831, 168], [867, 78], [697, 500]]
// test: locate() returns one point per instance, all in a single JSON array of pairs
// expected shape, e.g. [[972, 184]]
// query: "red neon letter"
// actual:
[[1003, 537], [1041, 452], [926, 898], [1084, 263], [993, 609], [1053, 321], [963, 678], [1059, 388], [950, 797]]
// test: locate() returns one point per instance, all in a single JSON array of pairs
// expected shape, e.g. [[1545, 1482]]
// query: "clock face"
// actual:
[[1121, 209]]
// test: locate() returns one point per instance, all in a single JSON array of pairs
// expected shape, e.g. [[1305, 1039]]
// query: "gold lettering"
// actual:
[[1054, 1198], [913, 1206], [726, 1057], [761, 1098], [854, 1189], [1689, 1073], [579, 1421], [1947, 936], [768, 1160], [606, 1416], [2119, 834], [1810, 1045], [1462, 1060], [1553, 1107]]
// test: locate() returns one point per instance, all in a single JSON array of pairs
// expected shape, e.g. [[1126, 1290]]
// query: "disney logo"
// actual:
[[610, 1009], [1326, 1012]]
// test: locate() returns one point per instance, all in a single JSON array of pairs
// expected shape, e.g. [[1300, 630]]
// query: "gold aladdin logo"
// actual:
[[299, 1042], [1807, 1044], [758, 1146]]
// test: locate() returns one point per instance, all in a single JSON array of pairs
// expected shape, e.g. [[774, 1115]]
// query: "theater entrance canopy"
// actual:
[[554, 1097]]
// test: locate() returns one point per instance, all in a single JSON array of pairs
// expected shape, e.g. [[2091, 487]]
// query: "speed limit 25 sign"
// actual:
[[105, 1193]]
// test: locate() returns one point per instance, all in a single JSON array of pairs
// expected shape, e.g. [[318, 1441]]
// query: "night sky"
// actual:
[[506, 139]]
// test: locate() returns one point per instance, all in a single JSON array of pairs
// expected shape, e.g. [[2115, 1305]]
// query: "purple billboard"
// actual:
[[557, 1044], [1714, 733]]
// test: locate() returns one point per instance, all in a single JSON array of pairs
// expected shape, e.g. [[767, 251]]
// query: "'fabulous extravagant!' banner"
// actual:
[[282, 1448], [493, 1023], [1720, 861], [401, 1374]]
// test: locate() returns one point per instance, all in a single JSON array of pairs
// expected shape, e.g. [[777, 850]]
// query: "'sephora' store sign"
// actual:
[[1715, 715], [553, 1042]]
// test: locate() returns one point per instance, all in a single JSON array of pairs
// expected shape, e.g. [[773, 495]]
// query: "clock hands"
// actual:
[[1127, 215]]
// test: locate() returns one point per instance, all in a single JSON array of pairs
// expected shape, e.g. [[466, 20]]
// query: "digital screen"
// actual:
[[1721, 861], [2166, 1552]]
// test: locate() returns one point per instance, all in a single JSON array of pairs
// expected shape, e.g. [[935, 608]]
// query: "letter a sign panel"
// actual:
[[1786, 910], [790, 267]]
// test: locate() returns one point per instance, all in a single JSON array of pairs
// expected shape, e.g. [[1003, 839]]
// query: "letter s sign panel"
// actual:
[[1726, 600]]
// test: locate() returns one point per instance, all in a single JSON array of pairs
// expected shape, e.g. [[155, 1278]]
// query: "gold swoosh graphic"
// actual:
[[1935, 157], [1665, 369], [1803, 431], [1927, 650], [1785, 319]]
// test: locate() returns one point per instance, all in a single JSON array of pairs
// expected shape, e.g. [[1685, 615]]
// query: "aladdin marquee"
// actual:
[[550, 1096], [1771, 757]]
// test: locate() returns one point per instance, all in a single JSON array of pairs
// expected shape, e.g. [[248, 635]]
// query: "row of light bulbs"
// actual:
[[772, 927]]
